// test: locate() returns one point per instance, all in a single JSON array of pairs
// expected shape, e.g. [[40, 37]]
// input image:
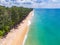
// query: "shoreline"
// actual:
[[29, 23], [19, 35]]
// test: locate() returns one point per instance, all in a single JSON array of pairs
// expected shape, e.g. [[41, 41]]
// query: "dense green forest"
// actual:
[[11, 17]]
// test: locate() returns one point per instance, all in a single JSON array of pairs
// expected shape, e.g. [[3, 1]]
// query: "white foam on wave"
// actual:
[[25, 39], [29, 22], [33, 13]]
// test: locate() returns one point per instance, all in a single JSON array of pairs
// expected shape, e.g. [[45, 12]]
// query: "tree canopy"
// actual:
[[11, 17]]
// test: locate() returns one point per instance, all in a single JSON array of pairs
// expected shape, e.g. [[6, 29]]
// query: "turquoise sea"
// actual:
[[45, 28]]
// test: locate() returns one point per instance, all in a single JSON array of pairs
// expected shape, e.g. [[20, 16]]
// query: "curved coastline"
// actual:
[[19, 35]]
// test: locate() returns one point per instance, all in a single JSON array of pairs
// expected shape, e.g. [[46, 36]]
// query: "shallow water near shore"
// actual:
[[45, 28]]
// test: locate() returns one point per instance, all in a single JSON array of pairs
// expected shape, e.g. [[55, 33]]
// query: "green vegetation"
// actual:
[[11, 17]]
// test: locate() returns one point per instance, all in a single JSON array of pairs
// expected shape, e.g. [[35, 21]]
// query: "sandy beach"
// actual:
[[18, 36]]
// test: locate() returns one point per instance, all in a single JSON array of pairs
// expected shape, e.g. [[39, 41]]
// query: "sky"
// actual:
[[9, 3], [30, 3]]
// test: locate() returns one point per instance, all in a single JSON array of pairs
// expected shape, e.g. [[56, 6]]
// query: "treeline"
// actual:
[[10, 17]]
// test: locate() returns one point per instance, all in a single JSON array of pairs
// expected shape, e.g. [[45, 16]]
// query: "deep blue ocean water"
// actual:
[[45, 28]]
